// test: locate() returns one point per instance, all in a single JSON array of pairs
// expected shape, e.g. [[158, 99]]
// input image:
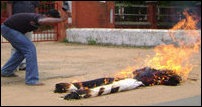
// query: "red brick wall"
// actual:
[[90, 14]]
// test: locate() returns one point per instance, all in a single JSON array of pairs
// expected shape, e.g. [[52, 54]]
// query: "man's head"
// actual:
[[53, 13]]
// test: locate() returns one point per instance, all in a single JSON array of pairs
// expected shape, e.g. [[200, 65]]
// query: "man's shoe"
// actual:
[[12, 75], [22, 67], [36, 84]]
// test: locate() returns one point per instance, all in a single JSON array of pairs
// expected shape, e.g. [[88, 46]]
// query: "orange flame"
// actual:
[[171, 57], [178, 58], [125, 73]]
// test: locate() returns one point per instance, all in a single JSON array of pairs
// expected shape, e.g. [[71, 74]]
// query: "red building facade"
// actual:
[[92, 14]]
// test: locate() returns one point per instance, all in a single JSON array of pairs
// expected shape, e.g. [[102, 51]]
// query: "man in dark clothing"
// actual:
[[22, 7], [15, 7], [13, 30], [66, 8]]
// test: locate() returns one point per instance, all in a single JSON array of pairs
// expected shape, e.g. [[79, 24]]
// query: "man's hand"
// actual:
[[69, 14], [64, 17]]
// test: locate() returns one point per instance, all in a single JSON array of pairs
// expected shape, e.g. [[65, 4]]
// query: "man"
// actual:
[[66, 8], [13, 30], [15, 7]]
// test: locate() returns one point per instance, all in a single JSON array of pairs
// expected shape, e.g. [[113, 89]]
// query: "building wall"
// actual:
[[92, 14]]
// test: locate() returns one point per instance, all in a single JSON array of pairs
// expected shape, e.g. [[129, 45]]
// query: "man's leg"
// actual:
[[15, 59], [22, 66], [25, 49]]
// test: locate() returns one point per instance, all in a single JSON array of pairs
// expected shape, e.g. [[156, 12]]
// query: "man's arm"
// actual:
[[49, 20]]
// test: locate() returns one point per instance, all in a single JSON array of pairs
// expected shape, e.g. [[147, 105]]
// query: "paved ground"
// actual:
[[63, 62], [191, 101]]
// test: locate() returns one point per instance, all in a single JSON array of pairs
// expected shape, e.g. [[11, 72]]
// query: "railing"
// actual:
[[137, 16], [132, 16], [168, 16]]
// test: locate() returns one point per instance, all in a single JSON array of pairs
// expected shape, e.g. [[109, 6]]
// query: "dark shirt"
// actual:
[[24, 6], [23, 22], [66, 5]]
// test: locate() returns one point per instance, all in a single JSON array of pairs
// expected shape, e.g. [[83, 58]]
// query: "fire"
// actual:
[[177, 58], [125, 73], [75, 81], [106, 80], [172, 57]]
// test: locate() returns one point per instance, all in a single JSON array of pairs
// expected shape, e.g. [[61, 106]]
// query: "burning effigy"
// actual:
[[101, 86], [169, 66]]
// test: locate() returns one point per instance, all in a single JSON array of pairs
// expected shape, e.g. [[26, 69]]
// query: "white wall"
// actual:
[[130, 37]]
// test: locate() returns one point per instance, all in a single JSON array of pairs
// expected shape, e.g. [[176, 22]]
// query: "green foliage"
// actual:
[[66, 40], [91, 41]]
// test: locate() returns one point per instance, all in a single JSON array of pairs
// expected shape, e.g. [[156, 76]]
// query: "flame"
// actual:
[[106, 81], [79, 83], [74, 81], [171, 57], [125, 73], [177, 58]]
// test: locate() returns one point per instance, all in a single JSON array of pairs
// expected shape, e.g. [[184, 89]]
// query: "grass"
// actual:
[[93, 43]]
